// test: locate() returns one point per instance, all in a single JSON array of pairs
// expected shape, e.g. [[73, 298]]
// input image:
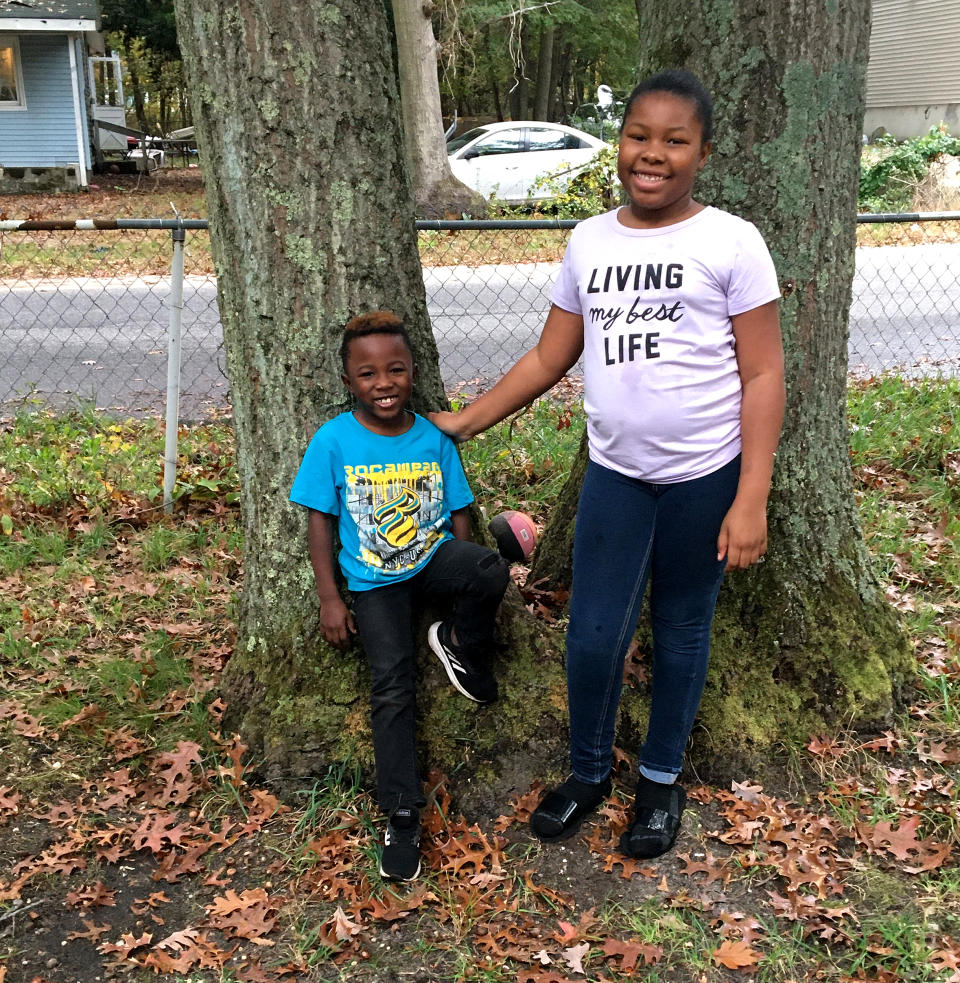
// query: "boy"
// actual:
[[395, 485]]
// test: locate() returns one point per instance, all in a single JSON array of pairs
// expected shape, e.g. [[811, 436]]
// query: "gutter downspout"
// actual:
[[77, 114]]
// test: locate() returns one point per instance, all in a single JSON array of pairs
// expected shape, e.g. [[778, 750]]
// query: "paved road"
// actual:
[[104, 339]]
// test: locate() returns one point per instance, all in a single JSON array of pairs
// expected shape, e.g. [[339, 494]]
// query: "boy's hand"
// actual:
[[336, 621], [452, 424], [743, 535]]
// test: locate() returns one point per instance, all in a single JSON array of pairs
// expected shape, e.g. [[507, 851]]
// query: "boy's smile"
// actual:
[[380, 375], [661, 152]]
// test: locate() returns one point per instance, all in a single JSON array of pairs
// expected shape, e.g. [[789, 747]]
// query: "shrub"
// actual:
[[888, 184]]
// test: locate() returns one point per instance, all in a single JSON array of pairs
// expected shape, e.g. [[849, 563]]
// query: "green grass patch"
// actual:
[[524, 462]]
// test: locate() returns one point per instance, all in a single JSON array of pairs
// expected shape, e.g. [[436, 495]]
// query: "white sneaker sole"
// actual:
[[436, 646], [393, 877]]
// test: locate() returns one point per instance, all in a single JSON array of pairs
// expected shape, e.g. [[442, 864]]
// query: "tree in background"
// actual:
[[146, 36], [807, 638], [436, 192], [533, 60]]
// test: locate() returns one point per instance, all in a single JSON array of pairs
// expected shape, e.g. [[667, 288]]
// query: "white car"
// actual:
[[505, 159]]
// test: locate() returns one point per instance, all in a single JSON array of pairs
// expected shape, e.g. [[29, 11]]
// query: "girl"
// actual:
[[673, 306]]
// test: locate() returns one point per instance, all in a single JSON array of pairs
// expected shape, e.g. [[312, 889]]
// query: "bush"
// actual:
[[889, 184], [594, 190]]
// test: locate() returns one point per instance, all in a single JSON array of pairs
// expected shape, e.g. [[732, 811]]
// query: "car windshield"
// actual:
[[461, 141]]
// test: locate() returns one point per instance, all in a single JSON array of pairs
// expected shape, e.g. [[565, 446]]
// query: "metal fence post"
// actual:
[[173, 369]]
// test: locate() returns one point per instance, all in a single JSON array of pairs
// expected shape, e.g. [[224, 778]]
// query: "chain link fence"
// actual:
[[85, 307]]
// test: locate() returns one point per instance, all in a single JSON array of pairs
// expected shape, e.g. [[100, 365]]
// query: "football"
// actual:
[[516, 535]]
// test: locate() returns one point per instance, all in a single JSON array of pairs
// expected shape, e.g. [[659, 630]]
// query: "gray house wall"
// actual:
[[913, 77]]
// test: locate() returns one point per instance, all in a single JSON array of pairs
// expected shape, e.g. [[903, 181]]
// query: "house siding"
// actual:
[[45, 133], [913, 77]]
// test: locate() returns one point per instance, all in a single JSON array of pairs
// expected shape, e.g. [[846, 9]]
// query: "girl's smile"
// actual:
[[661, 152]]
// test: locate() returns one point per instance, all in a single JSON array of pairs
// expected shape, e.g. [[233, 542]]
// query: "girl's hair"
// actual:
[[678, 82], [376, 322]]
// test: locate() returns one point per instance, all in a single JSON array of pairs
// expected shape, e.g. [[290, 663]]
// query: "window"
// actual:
[[544, 139], [501, 142], [11, 74]]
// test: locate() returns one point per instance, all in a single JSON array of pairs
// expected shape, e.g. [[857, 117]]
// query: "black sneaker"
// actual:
[[400, 859], [474, 683]]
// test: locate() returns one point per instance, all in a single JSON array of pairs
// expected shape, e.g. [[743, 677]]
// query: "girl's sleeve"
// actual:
[[566, 291], [456, 489], [315, 485], [753, 278]]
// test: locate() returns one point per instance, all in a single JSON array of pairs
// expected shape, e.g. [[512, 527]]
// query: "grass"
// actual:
[[115, 622]]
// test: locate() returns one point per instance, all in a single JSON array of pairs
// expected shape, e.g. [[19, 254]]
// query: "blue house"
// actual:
[[46, 103]]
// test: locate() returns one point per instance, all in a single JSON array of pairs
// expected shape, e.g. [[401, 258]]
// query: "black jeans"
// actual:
[[475, 579]]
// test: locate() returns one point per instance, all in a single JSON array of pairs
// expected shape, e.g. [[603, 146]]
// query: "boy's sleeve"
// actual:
[[456, 489], [315, 485]]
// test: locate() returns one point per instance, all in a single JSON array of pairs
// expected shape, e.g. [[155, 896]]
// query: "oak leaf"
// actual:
[[89, 897], [574, 957], [540, 976], [343, 927], [9, 801], [735, 955], [128, 943], [630, 952], [174, 768], [93, 932]]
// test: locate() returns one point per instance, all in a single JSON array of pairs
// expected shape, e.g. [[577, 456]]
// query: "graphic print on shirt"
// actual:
[[398, 511], [634, 337]]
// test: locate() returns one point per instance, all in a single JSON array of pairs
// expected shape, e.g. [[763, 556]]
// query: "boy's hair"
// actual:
[[375, 322], [678, 82]]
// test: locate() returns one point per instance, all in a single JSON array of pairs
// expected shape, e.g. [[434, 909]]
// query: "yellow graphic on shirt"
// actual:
[[396, 519], [398, 511]]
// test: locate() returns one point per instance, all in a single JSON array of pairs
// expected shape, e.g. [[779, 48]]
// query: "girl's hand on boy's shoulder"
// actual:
[[336, 622], [452, 424], [743, 535]]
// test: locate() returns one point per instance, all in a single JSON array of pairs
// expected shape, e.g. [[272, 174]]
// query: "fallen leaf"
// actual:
[[343, 927], [574, 957], [735, 955]]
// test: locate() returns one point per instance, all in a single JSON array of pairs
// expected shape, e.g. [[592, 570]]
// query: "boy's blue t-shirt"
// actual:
[[392, 495]]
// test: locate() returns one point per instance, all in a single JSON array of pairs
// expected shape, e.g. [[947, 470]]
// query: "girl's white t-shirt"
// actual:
[[661, 386]]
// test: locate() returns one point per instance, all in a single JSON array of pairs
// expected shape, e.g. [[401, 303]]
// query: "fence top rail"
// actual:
[[111, 224], [442, 225], [872, 218]]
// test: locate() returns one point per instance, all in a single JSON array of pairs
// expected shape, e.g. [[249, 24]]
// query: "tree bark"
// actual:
[[312, 222], [541, 102], [805, 640], [133, 71], [519, 93], [491, 74], [436, 192]]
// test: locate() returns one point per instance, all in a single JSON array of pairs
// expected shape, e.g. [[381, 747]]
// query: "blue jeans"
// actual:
[[628, 530], [473, 578]]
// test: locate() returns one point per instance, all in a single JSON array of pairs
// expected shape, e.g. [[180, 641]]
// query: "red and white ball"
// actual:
[[516, 535]]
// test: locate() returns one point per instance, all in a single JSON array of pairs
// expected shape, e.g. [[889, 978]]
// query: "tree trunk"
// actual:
[[436, 192], [805, 640], [519, 93], [492, 74], [133, 70], [312, 222], [541, 103]]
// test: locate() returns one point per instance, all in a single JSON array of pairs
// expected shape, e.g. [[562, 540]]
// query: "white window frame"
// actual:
[[7, 105]]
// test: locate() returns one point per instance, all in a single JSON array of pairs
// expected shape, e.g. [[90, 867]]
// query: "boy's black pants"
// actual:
[[475, 579]]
